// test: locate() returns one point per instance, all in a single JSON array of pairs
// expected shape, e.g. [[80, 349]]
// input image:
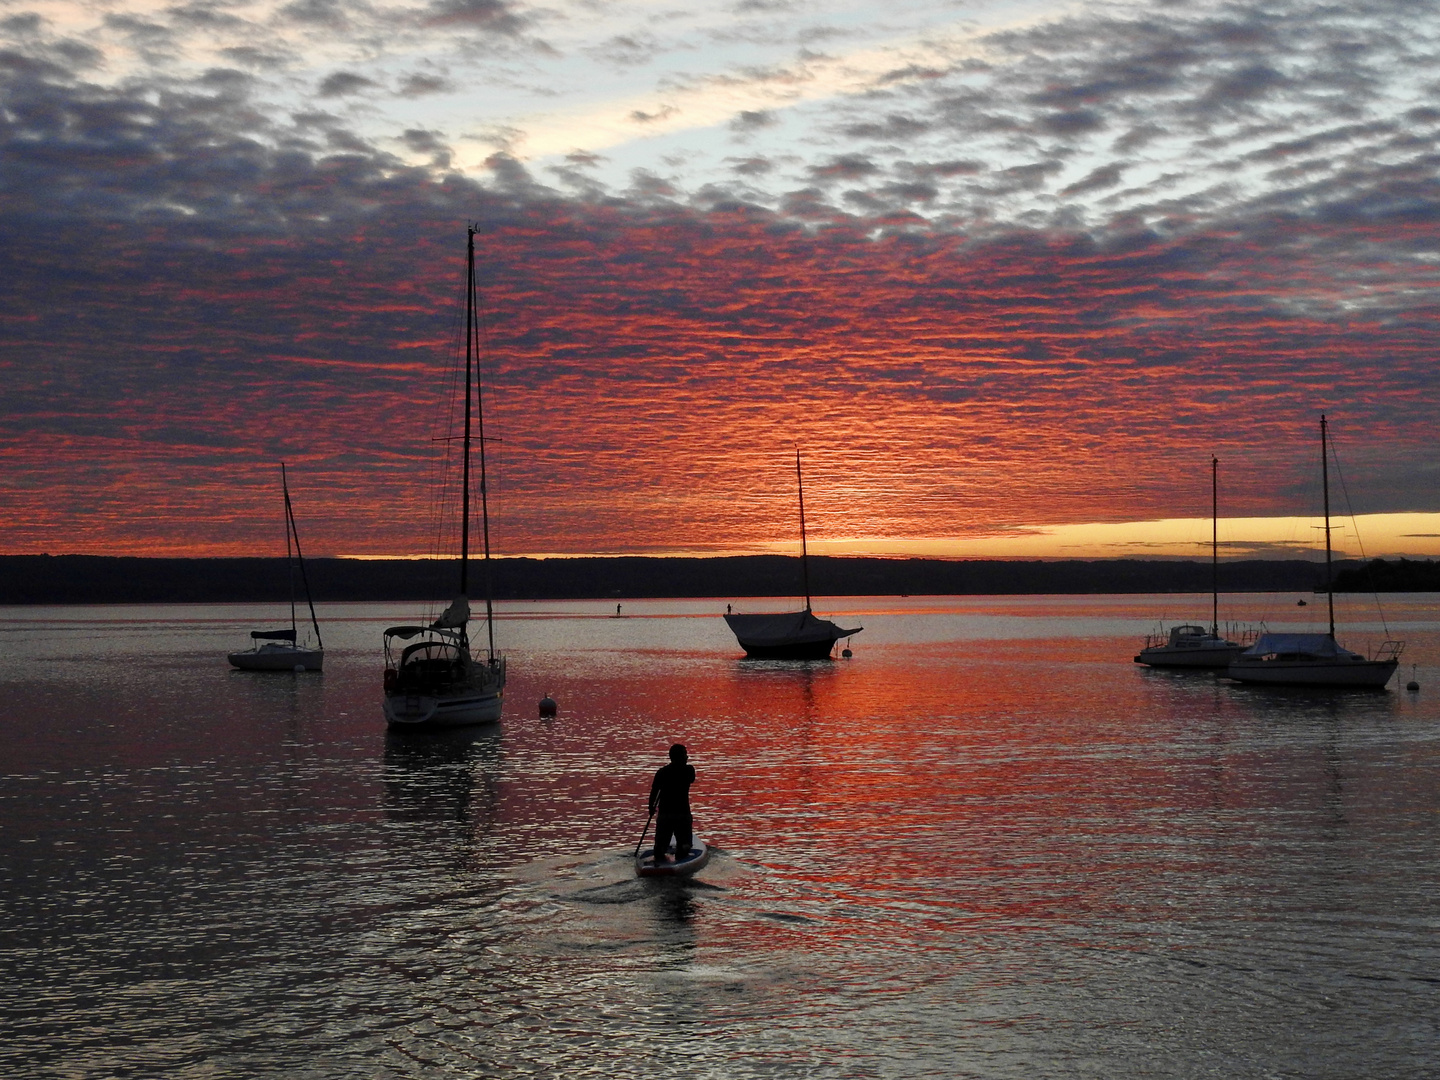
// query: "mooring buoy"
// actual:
[[548, 706]]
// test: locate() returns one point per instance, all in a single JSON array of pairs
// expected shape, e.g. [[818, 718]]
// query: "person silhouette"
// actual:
[[670, 802]]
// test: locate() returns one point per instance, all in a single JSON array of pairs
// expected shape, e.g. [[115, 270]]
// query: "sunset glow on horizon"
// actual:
[[1008, 278]]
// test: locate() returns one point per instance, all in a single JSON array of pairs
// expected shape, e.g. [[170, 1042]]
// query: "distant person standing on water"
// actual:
[[670, 802]]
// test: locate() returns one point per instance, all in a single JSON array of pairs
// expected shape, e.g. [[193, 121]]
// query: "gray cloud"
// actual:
[[326, 13], [495, 16], [25, 24], [428, 142], [421, 84], [1106, 176], [257, 58], [753, 120], [1200, 204], [753, 166], [639, 116], [627, 50], [343, 84], [893, 127], [845, 167]]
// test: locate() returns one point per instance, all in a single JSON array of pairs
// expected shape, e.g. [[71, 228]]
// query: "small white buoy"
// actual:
[[548, 706]]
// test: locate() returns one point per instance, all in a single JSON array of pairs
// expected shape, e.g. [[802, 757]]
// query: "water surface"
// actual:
[[987, 845]]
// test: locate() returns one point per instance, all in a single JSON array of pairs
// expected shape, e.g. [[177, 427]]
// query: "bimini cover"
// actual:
[[784, 628], [455, 616], [405, 633], [272, 635], [1321, 646]]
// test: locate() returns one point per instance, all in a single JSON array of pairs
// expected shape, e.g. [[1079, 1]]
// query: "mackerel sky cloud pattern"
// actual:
[[993, 267]]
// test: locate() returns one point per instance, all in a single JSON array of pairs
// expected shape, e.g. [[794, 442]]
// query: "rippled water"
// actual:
[[988, 845]]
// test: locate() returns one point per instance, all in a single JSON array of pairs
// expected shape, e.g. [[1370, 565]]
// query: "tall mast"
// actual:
[[484, 488], [1325, 486], [804, 551], [289, 559], [292, 530], [1214, 547], [465, 454]]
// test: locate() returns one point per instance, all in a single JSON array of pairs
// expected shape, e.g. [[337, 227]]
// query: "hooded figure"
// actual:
[[670, 802]]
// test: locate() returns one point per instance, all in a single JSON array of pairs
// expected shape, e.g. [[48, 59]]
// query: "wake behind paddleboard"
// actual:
[[698, 856]]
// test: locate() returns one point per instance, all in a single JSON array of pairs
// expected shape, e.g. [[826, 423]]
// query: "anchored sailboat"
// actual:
[[1315, 659], [279, 650], [435, 682], [789, 635], [1191, 646]]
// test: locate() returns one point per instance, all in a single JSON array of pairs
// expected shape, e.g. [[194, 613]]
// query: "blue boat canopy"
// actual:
[[1320, 646], [272, 635]]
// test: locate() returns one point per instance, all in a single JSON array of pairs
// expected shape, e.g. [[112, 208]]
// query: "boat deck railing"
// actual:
[[1389, 650], [1240, 634]]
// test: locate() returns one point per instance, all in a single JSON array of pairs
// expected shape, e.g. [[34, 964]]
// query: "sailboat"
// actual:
[[789, 635], [1315, 659], [279, 650], [435, 681], [1192, 646]]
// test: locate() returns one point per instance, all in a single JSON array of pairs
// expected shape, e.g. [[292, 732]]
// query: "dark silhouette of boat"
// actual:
[[1192, 646], [1316, 659], [436, 682], [789, 635], [281, 650]]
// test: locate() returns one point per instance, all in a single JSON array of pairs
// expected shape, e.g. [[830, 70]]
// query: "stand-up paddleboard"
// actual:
[[698, 856]]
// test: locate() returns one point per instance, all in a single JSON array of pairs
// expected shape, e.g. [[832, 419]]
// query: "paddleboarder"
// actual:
[[670, 803]]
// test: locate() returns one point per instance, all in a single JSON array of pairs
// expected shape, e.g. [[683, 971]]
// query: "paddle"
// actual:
[[644, 831]]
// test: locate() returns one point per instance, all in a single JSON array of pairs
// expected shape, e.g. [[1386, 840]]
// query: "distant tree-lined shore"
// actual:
[[78, 579]]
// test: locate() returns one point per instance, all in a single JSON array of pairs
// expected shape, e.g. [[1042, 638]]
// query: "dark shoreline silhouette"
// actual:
[[94, 579]]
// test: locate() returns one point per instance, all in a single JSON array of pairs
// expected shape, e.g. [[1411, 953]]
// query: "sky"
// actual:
[[1008, 275]]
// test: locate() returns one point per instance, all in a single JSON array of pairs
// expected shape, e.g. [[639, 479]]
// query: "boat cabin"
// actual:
[[440, 659], [1189, 636]]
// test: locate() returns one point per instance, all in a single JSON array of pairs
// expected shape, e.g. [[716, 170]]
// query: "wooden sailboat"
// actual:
[[1315, 659], [1192, 646], [435, 681], [279, 650], [789, 635]]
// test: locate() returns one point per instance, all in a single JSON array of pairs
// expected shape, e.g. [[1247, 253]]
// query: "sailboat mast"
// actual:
[[804, 550], [1325, 487], [484, 486], [289, 559], [465, 453], [1214, 546], [292, 530]]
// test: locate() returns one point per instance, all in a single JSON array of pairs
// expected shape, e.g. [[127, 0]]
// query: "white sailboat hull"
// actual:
[[431, 711], [1215, 657], [278, 658]]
